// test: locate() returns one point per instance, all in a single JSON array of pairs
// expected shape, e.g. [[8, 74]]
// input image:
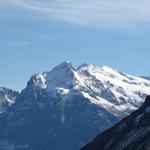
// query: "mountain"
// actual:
[[132, 133], [7, 98], [67, 107]]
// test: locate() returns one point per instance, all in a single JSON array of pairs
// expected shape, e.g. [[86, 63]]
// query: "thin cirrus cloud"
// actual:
[[96, 13]]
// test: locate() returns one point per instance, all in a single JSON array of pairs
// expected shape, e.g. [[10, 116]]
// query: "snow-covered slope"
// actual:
[[67, 107], [120, 91], [104, 86], [132, 133], [7, 98]]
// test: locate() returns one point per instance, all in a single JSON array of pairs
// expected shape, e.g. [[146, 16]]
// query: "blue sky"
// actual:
[[36, 35]]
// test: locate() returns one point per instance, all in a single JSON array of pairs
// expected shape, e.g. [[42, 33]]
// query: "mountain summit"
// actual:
[[99, 84], [67, 107]]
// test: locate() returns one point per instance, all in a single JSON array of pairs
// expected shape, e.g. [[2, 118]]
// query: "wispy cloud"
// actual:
[[97, 13]]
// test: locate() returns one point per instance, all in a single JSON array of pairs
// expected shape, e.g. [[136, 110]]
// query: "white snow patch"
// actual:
[[10, 101], [40, 81]]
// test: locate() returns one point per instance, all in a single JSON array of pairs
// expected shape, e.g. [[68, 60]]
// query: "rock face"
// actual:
[[66, 108], [7, 98], [132, 133]]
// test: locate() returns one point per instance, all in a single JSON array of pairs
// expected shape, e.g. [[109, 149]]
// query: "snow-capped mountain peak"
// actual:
[[66, 64], [62, 76], [85, 65], [110, 70], [103, 86], [66, 76]]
